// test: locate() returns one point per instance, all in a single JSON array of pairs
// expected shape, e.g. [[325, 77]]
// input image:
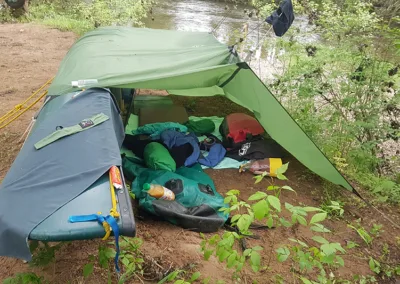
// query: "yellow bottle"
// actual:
[[158, 191]]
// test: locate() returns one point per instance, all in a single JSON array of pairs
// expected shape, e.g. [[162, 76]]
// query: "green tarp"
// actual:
[[171, 60]]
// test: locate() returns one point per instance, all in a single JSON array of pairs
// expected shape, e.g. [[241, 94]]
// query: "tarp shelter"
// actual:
[[189, 64], [184, 63]]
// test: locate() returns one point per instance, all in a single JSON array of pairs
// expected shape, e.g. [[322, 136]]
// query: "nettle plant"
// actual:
[[265, 208]]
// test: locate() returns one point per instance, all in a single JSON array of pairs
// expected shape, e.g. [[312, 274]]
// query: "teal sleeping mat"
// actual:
[[96, 198]]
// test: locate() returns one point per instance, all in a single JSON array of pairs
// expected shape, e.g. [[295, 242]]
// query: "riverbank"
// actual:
[[31, 55]]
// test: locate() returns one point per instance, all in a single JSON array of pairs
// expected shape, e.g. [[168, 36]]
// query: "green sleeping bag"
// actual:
[[196, 205], [157, 157]]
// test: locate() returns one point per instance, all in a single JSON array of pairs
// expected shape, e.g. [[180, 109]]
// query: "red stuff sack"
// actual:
[[238, 128]]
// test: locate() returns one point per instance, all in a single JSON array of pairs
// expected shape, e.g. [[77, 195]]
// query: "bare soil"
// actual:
[[31, 54]]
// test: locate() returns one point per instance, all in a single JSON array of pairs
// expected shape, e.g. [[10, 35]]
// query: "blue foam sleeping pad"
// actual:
[[96, 198]]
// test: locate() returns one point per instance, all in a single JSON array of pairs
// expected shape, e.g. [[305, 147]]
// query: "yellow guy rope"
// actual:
[[113, 211], [16, 111]]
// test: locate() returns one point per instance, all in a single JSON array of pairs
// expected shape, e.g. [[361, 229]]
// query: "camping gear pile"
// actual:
[[68, 175], [166, 166]]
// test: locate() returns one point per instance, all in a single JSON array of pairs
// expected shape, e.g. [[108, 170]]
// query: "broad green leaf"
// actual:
[[247, 252], [311, 209], [319, 217], [231, 260], [288, 188], [255, 258], [301, 220], [235, 218], [285, 222], [374, 265], [223, 255], [319, 228], [244, 222], [320, 240], [258, 195], [328, 249], [239, 266], [340, 260], [288, 206], [272, 187], [260, 209], [338, 247], [255, 268], [305, 280], [270, 222], [257, 248], [195, 276], [125, 261], [258, 179], [173, 275], [88, 269], [275, 202], [180, 281], [109, 252], [281, 177], [232, 192], [227, 199], [283, 168], [351, 245], [207, 254], [283, 254]]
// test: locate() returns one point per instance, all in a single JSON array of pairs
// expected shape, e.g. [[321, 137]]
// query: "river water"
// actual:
[[206, 15]]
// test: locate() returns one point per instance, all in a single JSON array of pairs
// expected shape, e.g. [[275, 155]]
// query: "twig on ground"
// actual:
[[137, 276]]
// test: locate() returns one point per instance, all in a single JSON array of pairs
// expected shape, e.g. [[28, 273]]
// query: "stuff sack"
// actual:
[[157, 157], [256, 150], [196, 205], [238, 128]]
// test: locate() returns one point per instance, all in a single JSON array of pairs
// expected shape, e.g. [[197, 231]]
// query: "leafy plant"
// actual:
[[25, 278], [262, 207], [130, 257], [362, 233], [376, 230], [182, 275], [43, 254], [333, 209]]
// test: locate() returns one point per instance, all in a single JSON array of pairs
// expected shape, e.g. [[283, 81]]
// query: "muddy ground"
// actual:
[[30, 55]]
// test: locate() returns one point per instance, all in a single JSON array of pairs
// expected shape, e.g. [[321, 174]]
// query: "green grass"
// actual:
[[64, 23]]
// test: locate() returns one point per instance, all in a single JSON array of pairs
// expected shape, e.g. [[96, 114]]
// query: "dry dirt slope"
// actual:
[[30, 55]]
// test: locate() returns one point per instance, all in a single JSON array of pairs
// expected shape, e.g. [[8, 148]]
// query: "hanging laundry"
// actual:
[[282, 18], [155, 129]]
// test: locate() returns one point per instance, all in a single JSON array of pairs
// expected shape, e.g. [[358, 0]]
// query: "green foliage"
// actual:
[[25, 278], [367, 238], [81, 16], [344, 91], [130, 257], [334, 209], [183, 275], [43, 255], [376, 230]]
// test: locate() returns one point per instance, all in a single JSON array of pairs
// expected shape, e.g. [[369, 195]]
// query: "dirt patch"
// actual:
[[31, 55]]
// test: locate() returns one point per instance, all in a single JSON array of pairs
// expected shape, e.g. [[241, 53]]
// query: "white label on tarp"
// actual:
[[84, 83]]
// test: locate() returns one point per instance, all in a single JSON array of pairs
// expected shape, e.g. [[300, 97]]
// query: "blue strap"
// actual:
[[100, 218], [114, 226]]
